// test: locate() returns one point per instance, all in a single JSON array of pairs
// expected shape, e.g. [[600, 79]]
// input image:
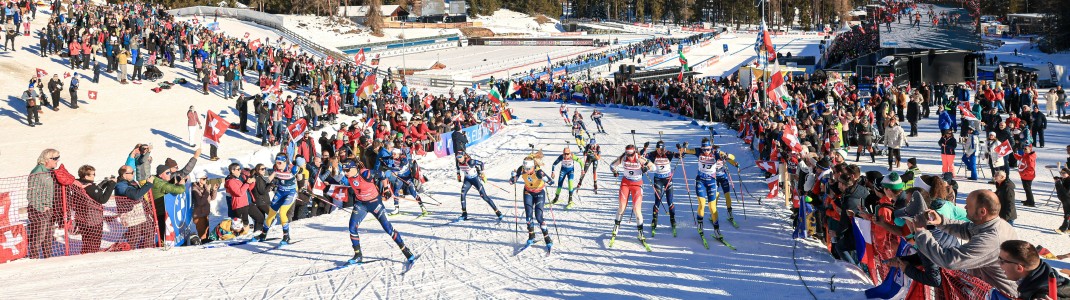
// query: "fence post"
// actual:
[[66, 223]]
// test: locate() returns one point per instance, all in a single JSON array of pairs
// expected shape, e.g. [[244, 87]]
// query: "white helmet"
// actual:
[[236, 223]]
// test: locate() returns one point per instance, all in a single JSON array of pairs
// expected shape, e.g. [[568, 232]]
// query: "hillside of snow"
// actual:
[[505, 21], [339, 32]]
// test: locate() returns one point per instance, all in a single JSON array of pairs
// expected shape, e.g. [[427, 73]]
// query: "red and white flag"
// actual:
[[41, 72], [774, 186], [368, 87], [777, 89], [359, 57], [246, 35], [255, 44], [966, 113], [1004, 148], [92, 95], [319, 187], [791, 137], [338, 192], [66, 75], [375, 61], [329, 60], [217, 126], [297, 128], [768, 166]]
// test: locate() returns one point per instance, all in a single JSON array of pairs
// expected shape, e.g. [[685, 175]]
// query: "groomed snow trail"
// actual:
[[476, 258]]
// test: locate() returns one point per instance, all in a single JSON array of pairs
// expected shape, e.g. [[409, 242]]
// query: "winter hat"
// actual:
[[170, 163], [912, 161], [916, 207], [920, 183], [892, 182], [161, 169], [842, 153], [300, 161]]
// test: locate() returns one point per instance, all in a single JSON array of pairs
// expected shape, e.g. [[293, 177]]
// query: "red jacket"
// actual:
[[1027, 165], [238, 192]]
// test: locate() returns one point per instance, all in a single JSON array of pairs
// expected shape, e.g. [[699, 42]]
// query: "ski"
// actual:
[[721, 239], [423, 214], [703, 236], [645, 245], [409, 264], [277, 247], [549, 248], [455, 221], [673, 230], [345, 265], [232, 243], [525, 247], [733, 221]]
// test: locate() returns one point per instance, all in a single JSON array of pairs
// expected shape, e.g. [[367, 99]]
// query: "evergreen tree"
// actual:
[[374, 18]]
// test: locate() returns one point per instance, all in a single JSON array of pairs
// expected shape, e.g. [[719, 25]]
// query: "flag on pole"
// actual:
[[297, 129], [773, 182], [319, 187], [41, 72], [683, 66], [791, 138], [494, 95], [359, 57], [777, 89], [337, 192], [217, 126], [513, 88], [966, 113], [1004, 148], [764, 44], [767, 166], [370, 85]]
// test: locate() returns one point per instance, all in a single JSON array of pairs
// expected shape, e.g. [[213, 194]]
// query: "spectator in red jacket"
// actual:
[[238, 191], [1027, 163]]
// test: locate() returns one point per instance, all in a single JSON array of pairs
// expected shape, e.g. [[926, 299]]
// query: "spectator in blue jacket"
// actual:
[[947, 122]]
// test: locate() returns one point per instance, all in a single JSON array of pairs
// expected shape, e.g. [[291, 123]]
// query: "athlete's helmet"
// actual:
[[660, 144]]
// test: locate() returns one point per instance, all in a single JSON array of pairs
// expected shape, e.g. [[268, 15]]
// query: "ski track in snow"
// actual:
[[476, 257]]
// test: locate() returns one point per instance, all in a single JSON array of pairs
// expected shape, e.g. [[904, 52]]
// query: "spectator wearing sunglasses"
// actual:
[[42, 189]]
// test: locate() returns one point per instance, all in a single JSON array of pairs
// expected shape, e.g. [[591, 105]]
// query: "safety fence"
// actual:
[[46, 215]]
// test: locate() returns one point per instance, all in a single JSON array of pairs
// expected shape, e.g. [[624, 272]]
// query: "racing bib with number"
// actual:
[[661, 166], [632, 171]]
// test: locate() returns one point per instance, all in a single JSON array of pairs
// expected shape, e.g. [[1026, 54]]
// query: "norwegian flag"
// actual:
[[337, 192], [216, 128], [774, 187], [297, 128], [92, 95], [791, 137], [966, 113], [41, 72], [767, 166], [1003, 148], [359, 57], [319, 187]]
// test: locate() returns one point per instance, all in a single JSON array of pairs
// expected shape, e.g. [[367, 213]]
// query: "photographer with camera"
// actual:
[[89, 216]]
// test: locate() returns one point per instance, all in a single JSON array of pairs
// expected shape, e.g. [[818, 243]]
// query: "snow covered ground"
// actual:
[[505, 21], [476, 258], [1030, 56], [333, 33]]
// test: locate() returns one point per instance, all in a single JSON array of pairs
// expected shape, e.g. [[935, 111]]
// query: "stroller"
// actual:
[[878, 140], [152, 73]]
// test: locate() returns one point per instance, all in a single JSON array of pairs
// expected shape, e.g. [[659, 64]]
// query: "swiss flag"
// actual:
[[1003, 149], [255, 44], [791, 138], [768, 166], [41, 72], [375, 61], [338, 192], [92, 95], [217, 126], [359, 57], [5, 209], [329, 60], [66, 75], [297, 128], [319, 187], [774, 187], [12, 242], [246, 35], [966, 113]]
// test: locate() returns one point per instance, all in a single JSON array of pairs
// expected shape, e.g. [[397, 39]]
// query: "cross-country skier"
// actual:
[[568, 169], [404, 169], [662, 182], [578, 118], [597, 117], [631, 185], [472, 172], [712, 171], [564, 114], [593, 153], [285, 182], [535, 181], [577, 132], [370, 187]]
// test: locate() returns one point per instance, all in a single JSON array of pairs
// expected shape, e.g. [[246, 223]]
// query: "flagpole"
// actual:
[[765, 62]]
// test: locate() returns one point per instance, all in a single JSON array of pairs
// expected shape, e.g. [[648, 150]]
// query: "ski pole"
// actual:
[[739, 192], [426, 194], [516, 218], [328, 202], [554, 222], [633, 137], [683, 170]]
